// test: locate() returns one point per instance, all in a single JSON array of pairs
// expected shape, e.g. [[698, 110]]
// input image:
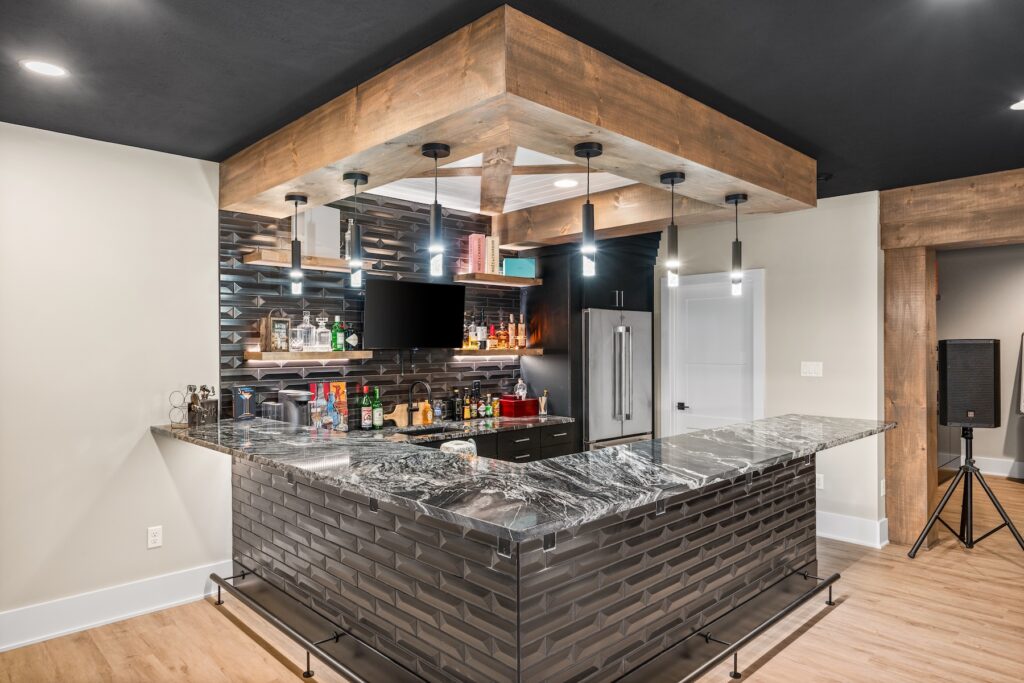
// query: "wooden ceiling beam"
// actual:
[[494, 179], [509, 79], [542, 169], [630, 210]]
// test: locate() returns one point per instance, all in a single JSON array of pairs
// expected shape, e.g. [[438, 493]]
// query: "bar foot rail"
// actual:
[[312, 647], [732, 649]]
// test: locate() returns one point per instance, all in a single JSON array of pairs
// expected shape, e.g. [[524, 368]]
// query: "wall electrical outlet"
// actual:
[[819, 481], [812, 368], [154, 537], [881, 488]]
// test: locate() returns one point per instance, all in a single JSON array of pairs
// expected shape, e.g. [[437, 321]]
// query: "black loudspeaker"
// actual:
[[969, 382]]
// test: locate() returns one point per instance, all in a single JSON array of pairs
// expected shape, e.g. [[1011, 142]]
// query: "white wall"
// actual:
[[108, 301], [980, 294], [823, 302]]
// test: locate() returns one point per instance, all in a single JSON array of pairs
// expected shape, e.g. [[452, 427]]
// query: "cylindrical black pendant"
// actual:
[[436, 229], [737, 261], [673, 246], [296, 259], [356, 258], [588, 244]]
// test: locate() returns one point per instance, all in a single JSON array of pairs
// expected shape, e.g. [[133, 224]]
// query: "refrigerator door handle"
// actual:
[[628, 367], [618, 373]]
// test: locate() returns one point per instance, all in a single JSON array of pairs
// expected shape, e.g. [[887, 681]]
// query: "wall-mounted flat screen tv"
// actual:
[[399, 314]]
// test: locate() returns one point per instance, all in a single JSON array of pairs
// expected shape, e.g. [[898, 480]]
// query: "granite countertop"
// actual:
[[522, 501]]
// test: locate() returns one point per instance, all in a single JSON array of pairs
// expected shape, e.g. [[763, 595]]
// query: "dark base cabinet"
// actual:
[[586, 604], [525, 445]]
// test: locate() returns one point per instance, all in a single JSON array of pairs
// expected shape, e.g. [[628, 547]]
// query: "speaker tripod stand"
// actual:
[[967, 473]]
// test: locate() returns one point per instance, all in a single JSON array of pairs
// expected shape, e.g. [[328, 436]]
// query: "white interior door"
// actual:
[[712, 352]]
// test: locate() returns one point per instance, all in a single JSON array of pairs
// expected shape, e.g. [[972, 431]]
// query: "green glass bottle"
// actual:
[[378, 409], [337, 335], [365, 410]]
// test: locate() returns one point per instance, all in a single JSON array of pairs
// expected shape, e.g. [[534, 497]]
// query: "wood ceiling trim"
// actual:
[[470, 171], [979, 211], [629, 210], [496, 173], [509, 79]]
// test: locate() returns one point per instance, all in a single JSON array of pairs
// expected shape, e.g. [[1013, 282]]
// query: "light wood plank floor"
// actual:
[[949, 615]]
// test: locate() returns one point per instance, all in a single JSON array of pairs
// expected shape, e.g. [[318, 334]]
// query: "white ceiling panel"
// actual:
[[527, 157], [461, 192], [530, 190], [475, 160]]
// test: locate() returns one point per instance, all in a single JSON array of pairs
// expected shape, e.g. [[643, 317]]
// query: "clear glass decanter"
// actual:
[[307, 335], [323, 334]]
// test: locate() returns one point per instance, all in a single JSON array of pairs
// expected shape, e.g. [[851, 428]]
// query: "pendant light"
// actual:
[[588, 245], [355, 233], [672, 263], [736, 277], [435, 151], [296, 273]]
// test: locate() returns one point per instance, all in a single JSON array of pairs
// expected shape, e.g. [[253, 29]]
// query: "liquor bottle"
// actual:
[[467, 409], [323, 334], [337, 335], [481, 407], [307, 337], [521, 333], [341, 405], [481, 331], [351, 338], [543, 408], [456, 409], [437, 411], [366, 410], [332, 411], [513, 332], [497, 406], [377, 408], [502, 336], [492, 339], [488, 407]]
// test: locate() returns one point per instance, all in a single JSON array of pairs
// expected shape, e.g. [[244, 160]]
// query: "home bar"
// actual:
[[553, 342]]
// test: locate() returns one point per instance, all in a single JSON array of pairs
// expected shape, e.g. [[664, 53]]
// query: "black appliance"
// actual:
[[399, 314], [969, 382]]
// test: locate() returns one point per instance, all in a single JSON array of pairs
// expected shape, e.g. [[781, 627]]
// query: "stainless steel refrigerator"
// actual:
[[618, 377]]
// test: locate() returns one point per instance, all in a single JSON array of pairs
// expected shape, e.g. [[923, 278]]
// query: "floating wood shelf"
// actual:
[[280, 258], [534, 351], [496, 280], [307, 355]]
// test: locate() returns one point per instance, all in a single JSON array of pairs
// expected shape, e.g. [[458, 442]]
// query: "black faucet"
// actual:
[[409, 407]]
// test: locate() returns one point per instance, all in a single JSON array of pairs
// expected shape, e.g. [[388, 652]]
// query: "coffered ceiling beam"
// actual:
[[630, 210], [494, 179]]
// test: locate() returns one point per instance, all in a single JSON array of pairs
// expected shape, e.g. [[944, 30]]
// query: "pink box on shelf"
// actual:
[[477, 253]]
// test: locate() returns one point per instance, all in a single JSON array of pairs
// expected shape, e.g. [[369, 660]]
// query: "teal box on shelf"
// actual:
[[519, 267]]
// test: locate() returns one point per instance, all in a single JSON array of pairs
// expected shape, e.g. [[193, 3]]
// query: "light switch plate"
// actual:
[[819, 481], [812, 368], [881, 488]]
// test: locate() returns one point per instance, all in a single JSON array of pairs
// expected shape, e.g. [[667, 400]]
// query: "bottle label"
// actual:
[[378, 417], [366, 417], [352, 340]]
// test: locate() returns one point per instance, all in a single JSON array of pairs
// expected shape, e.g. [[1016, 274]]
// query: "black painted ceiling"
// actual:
[[884, 93]]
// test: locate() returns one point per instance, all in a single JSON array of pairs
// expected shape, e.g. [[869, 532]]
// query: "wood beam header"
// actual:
[[508, 79]]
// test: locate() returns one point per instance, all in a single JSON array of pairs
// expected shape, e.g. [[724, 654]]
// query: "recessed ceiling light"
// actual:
[[566, 182], [44, 68], [1019, 106]]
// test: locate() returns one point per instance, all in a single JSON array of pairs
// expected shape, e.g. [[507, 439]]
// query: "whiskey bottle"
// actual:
[[492, 339], [502, 336], [521, 333]]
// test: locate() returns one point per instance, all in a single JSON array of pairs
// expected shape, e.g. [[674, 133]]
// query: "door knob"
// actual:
[[682, 406]]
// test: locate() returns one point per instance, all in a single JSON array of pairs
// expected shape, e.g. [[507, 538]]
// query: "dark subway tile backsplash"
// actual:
[[395, 244]]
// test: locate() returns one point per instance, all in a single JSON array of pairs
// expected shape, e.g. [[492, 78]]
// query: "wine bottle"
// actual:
[[377, 408], [366, 410]]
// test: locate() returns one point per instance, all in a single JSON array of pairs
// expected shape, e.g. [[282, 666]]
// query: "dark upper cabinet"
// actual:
[[622, 280]]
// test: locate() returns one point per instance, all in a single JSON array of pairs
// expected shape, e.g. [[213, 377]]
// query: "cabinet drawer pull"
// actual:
[[520, 457], [522, 440], [555, 436]]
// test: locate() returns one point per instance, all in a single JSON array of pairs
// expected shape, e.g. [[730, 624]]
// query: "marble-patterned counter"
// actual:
[[578, 568], [521, 501]]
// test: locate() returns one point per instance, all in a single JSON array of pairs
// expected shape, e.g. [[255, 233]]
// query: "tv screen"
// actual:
[[412, 315]]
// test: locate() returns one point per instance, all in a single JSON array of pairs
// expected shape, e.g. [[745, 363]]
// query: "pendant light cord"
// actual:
[[435, 180], [672, 202], [737, 207], [295, 221], [588, 180]]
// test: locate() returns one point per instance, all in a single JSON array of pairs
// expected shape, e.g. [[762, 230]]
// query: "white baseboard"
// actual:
[[869, 532], [1001, 467], [35, 623]]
